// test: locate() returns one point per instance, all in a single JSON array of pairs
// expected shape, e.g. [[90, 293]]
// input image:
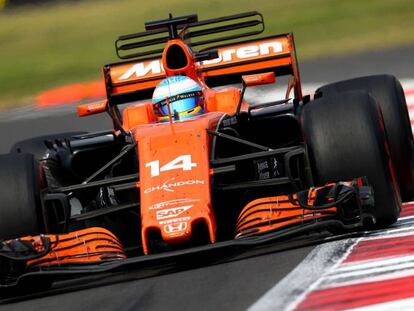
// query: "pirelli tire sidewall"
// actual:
[[389, 94], [20, 209], [345, 139]]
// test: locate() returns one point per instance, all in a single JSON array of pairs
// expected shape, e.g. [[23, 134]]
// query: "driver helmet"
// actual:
[[184, 95]]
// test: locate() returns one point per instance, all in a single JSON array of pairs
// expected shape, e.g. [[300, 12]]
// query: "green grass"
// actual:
[[52, 46]]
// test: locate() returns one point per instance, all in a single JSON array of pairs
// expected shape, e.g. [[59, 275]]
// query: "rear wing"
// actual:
[[136, 79]]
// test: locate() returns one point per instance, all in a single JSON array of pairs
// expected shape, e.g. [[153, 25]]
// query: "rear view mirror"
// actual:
[[253, 80], [92, 108], [259, 79]]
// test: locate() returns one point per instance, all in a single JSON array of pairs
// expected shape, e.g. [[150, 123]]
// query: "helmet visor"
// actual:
[[179, 103]]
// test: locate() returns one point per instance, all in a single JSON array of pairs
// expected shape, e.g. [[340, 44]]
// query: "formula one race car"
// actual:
[[190, 167]]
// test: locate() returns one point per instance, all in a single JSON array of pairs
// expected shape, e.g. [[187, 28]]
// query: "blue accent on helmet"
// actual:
[[183, 94]]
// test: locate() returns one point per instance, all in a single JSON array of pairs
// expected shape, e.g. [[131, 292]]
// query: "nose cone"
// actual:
[[174, 165]]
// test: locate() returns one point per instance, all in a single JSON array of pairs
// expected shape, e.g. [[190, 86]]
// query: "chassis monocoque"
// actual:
[[241, 172]]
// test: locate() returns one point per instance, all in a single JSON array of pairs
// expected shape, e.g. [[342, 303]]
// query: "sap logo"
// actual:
[[174, 228], [172, 212], [169, 186], [226, 55]]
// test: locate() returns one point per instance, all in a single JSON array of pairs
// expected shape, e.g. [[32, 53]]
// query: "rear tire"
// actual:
[[20, 211], [345, 140], [388, 93]]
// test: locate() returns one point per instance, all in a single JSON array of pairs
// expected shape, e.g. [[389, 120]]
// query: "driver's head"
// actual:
[[184, 96]]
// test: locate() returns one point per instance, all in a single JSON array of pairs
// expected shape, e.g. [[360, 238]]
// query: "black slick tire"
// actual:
[[345, 139], [19, 196], [388, 93]]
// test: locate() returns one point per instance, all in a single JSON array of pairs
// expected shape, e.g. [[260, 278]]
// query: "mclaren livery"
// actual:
[[191, 167]]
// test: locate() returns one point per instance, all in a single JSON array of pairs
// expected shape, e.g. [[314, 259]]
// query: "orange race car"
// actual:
[[192, 167]]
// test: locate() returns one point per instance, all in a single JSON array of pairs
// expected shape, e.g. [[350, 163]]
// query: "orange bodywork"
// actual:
[[174, 199], [272, 213], [138, 114], [175, 178], [223, 101], [174, 157], [92, 108], [92, 245], [174, 164], [259, 79]]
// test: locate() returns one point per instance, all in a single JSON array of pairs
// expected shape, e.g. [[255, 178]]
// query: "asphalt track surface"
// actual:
[[229, 286]]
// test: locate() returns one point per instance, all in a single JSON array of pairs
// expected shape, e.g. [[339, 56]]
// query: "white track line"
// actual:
[[305, 277]]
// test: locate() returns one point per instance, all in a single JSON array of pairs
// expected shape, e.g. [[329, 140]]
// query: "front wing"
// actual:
[[33, 265]]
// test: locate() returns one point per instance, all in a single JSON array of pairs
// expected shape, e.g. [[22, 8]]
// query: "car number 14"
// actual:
[[183, 162]]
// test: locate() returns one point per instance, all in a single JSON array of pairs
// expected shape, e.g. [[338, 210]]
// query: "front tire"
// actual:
[[388, 93], [345, 140], [20, 210]]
